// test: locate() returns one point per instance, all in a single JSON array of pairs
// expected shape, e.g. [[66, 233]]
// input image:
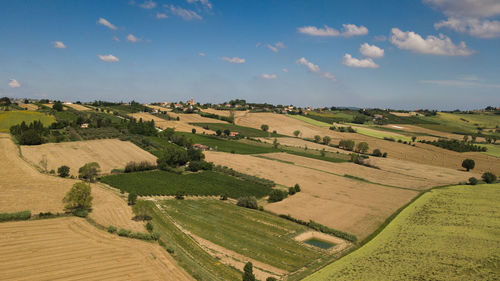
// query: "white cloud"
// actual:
[[108, 58], [236, 60], [464, 81], [58, 45], [116, 39], [106, 23], [14, 84], [184, 13], [431, 45], [148, 5], [284, 69], [131, 38], [474, 27], [205, 3], [467, 8], [348, 30], [314, 68], [201, 54], [280, 45], [371, 51], [275, 48], [161, 16], [380, 38], [272, 48], [359, 63], [268, 76]]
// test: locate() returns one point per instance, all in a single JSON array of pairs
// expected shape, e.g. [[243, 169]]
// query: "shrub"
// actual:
[[277, 195], [141, 210], [468, 164], [137, 167], [132, 198], [193, 131], [472, 181], [247, 202], [248, 272], [149, 226], [195, 166], [377, 153], [81, 213], [489, 177], [317, 138], [179, 195], [124, 232], [384, 155], [111, 229], [89, 171], [264, 127], [291, 191], [224, 196], [23, 215], [297, 187], [271, 279]]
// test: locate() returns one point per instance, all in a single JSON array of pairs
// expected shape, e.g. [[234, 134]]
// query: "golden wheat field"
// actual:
[[78, 107], [181, 126]]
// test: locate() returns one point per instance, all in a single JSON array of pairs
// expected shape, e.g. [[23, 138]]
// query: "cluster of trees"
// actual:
[[347, 129], [229, 118], [32, 134], [277, 195], [487, 177], [139, 166], [175, 156], [78, 200], [377, 153], [347, 144], [456, 145], [145, 128], [248, 202]]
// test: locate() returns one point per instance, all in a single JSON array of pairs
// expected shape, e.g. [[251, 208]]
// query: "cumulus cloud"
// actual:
[[184, 13], [284, 69], [371, 51], [276, 47], [14, 84], [467, 8], [359, 63], [161, 16], [474, 27], [205, 3], [314, 68], [431, 45], [268, 76], [108, 58], [103, 21], [148, 5], [236, 60], [58, 45], [348, 30], [131, 38]]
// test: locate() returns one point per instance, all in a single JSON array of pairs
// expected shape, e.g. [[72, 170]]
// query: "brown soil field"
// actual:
[[181, 126], [72, 249], [421, 153], [24, 188], [345, 204], [77, 107], [109, 153], [413, 176], [29, 106]]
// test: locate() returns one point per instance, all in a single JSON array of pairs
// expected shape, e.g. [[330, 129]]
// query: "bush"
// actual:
[[271, 279], [149, 226], [277, 195], [489, 177], [137, 167], [362, 147], [195, 166], [346, 144], [472, 181], [81, 213], [111, 229], [141, 210], [297, 187], [248, 202], [132, 198], [17, 216], [89, 171], [468, 164], [384, 155], [291, 191], [179, 195], [63, 171], [123, 232], [224, 196], [377, 153]]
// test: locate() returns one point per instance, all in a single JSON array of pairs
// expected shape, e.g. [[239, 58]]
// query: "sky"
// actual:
[[400, 54]]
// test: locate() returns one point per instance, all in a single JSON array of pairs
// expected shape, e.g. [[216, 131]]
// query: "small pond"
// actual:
[[319, 243]]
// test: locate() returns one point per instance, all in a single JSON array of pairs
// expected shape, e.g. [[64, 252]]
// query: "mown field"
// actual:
[[310, 121], [11, 118], [244, 131], [461, 123], [493, 150], [451, 233], [228, 145], [206, 183], [255, 234]]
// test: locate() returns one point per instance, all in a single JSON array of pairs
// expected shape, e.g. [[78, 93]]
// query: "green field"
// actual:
[[237, 147], [201, 183], [244, 131], [451, 233], [11, 118], [255, 234], [493, 149], [379, 134], [310, 121], [461, 123]]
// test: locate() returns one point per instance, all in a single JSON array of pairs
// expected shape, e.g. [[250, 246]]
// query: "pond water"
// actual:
[[319, 243]]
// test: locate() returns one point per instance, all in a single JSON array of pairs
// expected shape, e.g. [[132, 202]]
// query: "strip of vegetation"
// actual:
[[315, 156], [229, 118], [249, 178], [17, 216], [456, 145], [242, 130]]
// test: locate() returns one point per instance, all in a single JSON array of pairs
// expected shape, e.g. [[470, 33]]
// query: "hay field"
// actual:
[[338, 202], [109, 153], [300, 143], [72, 249], [226, 113], [421, 153], [29, 106], [11, 118], [413, 176], [181, 126], [78, 107], [447, 234], [418, 129], [157, 107], [194, 118]]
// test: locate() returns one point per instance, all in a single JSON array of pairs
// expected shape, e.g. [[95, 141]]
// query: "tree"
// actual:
[[218, 132], [413, 138], [296, 133], [317, 138], [472, 181], [327, 140], [248, 202], [58, 106], [193, 131], [468, 164], [297, 187], [275, 143], [5, 101], [227, 132], [346, 144], [270, 278], [172, 156], [132, 198], [63, 171], [277, 195], [466, 137], [376, 152], [264, 127], [248, 272], [489, 177], [78, 198], [362, 147], [89, 171], [291, 190], [323, 152], [43, 163], [231, 117]]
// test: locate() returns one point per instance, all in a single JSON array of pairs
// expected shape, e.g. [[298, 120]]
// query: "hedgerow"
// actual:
[[321, 228], [17, 216]]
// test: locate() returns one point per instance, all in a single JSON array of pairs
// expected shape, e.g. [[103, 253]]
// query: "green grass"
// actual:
[[238, 147], [379, 134], [493, 149], [244, 131], [461, 123], [255, 234], [201, 183], [11, 118], [310, 121], [317, 156], [451, 233]]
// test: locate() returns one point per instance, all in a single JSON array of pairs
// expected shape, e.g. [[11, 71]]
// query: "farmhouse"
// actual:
[[84, 125], [201, 146]]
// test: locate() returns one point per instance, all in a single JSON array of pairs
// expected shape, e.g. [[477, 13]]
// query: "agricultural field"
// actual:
[[379, 134], [242, 130], [72, 249], [310, 121], [28, 106], [462, 123], [109, 153], [206, 183], [493, 149], [251, 233], [450, 233], [11, 118], [78, 107], [225, 113], [181, 126], [342, 203]]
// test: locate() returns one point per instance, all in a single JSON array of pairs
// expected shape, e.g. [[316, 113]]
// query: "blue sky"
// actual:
[[397, 54]]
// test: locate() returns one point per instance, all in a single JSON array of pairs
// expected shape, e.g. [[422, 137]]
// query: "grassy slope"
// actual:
[[245, 131], [310, 121], [255, 234], [11, 118], [228, 145], [451, 233], [493, 149], [379, 134], [454, 122], [201, 183]]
